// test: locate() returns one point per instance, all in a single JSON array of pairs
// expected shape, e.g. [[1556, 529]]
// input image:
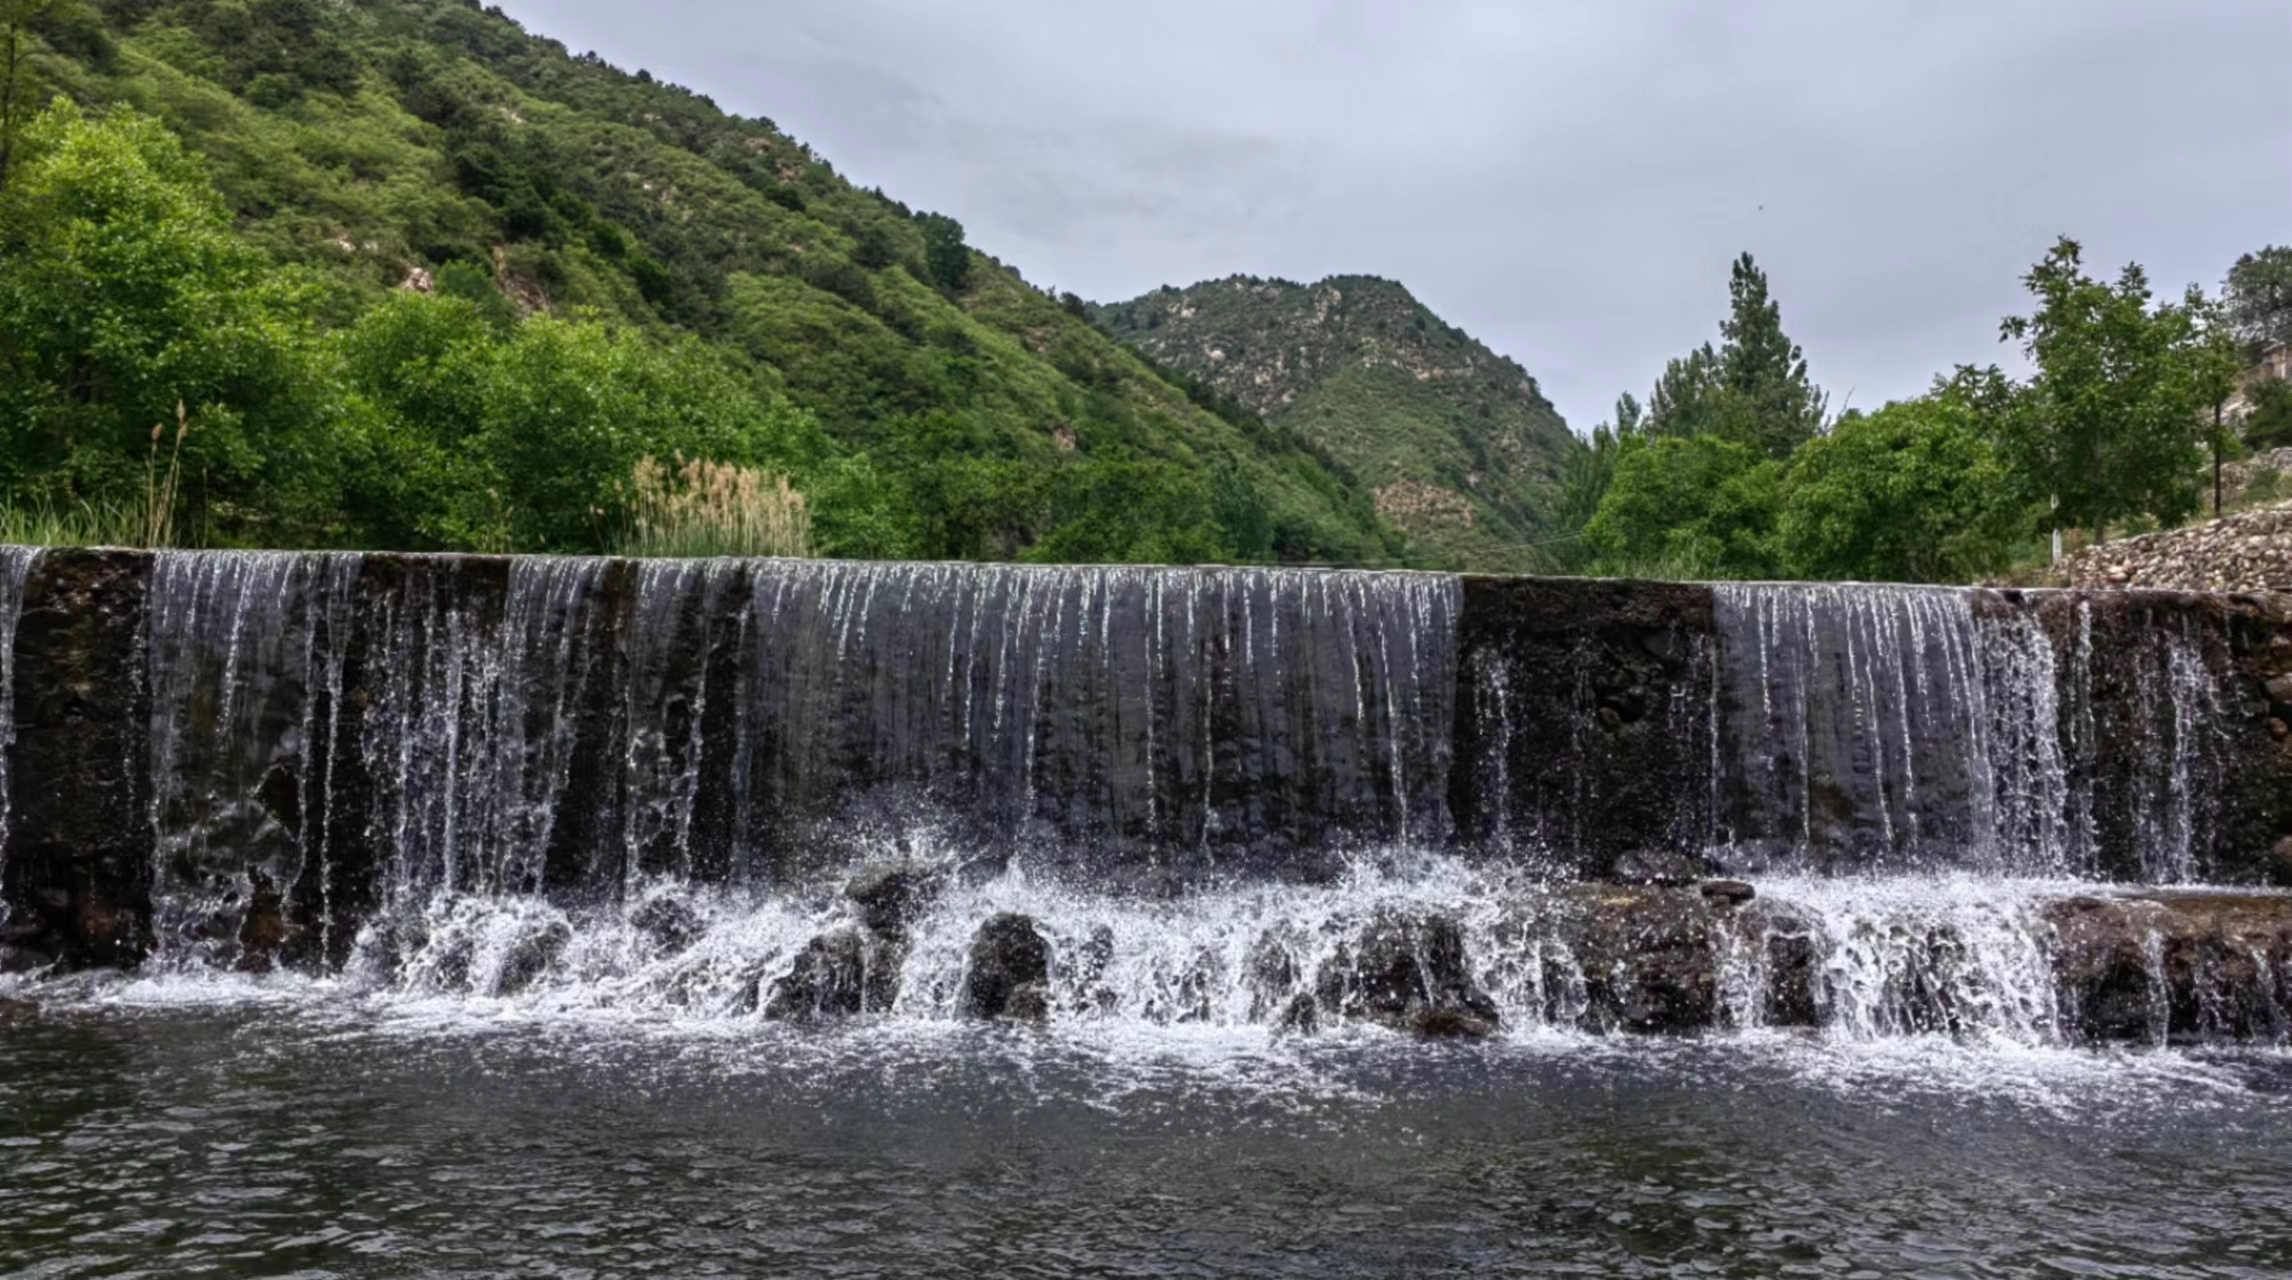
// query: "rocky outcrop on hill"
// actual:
[[2247, 551], [1458, 443]]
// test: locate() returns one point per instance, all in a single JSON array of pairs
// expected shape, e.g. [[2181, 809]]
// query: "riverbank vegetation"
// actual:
[[426, 281], [1733, 471], [400, 274]]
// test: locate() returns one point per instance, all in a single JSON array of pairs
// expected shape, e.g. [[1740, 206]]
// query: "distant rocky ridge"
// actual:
[[1458, 443]]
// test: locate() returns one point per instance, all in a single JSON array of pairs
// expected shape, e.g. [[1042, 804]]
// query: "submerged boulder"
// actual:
[[1406, 970], [839, 973], [1007, 953], [1647, 956], [1658, 866], [671, 923], [532, 955], [891, 895], [263, 928]]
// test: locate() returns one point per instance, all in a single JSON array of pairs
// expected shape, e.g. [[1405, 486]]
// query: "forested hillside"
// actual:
[[1460, 447], [419, 278]]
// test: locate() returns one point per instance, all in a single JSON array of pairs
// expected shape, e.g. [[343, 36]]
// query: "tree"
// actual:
[[16, 19], [1697, 506], [123, 291], [1764, 370], [2106, 430], [2212, 360], [1911, 493], [946, 259], [2258, 296], [2268, 424], [1686, 400], [1753, 389], [1585, 476], [525, 440]]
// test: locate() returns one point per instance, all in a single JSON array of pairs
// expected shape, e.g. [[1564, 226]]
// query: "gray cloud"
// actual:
[[1567, 182]]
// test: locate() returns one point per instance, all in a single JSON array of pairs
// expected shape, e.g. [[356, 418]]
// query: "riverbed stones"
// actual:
[[1007, 953], [890, 896], [263, 928], [2174, 966], [533, 954], [835, 975], [1728, 893], [1407, 970], [670, 923]]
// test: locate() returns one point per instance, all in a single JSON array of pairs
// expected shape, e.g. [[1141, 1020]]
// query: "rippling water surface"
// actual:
[[173, 1127]]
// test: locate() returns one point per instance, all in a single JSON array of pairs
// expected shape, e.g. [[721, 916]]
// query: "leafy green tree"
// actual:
[[2211, 360], [16, 19], [1695, 506], [1128, 510], [1912, 493], [1753, 389], [527, 440], [1585, 476], [945, 257], [123, 292], [2268, 424], [2258, 296], [2106, 431]]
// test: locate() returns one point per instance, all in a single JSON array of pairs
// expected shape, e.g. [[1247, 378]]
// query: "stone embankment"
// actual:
[[2244, 552]]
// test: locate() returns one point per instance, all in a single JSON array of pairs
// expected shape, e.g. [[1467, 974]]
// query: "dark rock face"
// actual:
[[263, 928], [2179, 967], [891, 895], [669, 921], [839, 973], [1007, 954], [79, 858], [1583, 719], [1648, 957], [1658, 866], [1301, 1016], [2124, 703], [533, 955], [1407, 971]]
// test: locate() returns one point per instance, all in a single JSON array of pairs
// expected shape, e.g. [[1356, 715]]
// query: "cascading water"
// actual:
[[15, 566], [1227, 798], [1872, 728]]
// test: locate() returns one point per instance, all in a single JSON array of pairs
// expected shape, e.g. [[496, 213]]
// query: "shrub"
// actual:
[[714, 509]]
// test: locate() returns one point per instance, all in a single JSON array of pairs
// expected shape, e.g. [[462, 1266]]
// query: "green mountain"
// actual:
[[927, 400], [1461, 449]]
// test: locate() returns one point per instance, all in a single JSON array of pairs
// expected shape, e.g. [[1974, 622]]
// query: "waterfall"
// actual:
[[370, 734], [1914, 728], [1229, 797], [15, 568], [1857, 727]]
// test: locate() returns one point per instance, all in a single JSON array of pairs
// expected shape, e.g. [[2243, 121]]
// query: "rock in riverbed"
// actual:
[[1007, 954]]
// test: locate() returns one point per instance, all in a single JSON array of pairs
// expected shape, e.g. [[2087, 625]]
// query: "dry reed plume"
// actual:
[[705, 508]]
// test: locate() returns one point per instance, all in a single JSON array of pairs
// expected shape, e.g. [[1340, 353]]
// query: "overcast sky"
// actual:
[[1565, 181]]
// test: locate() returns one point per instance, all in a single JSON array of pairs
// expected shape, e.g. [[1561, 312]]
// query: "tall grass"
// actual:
[[84, 524], [41, 522], [707, 508]]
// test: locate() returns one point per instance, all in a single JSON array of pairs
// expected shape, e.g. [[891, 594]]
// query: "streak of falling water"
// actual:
[[15, 571]]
